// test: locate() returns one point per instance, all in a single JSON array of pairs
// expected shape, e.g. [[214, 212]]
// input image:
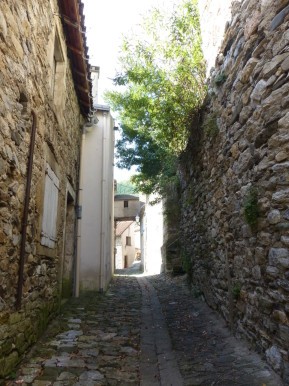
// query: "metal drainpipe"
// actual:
[[25, 212], [79, 217], [103, 222]]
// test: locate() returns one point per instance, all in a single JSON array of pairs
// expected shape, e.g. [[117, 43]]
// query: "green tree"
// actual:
[[126, 187], [161, 87]]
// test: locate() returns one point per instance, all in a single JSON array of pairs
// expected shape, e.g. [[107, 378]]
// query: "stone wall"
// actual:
[[28, 80], [219, 13], [235, 181]]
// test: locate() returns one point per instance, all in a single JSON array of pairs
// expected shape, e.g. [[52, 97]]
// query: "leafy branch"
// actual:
[[161, 86]]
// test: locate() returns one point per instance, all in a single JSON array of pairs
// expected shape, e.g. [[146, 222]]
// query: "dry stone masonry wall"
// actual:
[[27, 43], [235, 181]]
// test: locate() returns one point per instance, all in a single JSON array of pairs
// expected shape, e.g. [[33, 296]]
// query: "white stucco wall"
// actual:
[[96, 236], [118, 253], [123, 250], [128, 250], [152, 236], [120, 212]]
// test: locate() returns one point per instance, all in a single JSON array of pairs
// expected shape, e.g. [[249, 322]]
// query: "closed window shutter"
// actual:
[[48, 234]]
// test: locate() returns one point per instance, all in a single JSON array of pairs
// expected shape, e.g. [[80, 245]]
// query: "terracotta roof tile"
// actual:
[[74, 29], [121, 226]]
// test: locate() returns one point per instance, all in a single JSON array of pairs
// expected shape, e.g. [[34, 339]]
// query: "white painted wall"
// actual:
[[152, 236], [127, 250], [96, 234], [118, 253], [120, 212]]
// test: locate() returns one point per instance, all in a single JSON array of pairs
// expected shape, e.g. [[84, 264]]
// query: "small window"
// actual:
[[125, 204], [48, 234], [128, 240]]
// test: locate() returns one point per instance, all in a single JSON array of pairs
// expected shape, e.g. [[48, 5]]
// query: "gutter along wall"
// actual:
[[235, 180], [35, 75]]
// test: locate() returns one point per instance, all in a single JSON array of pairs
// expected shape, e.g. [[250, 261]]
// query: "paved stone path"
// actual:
[[123, 338], [158, 365], [95, 342], [208, 355]]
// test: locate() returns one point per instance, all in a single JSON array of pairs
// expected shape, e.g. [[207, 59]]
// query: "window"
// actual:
[[125, 204], [128, 240], [48, 233]]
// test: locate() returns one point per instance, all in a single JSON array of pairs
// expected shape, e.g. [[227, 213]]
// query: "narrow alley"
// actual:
[[122, 338]]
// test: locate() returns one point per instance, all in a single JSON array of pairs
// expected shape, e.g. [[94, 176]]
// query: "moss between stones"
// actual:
[[220, 79], [16, 317], [251, 209], [210, 125], [6, 347], [12, 349], [4, 317], [20, 343], [8, 363], [187, 263], [236, 291]]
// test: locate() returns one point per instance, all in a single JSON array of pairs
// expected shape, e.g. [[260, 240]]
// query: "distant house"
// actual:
[[126, 207], [125, 244]]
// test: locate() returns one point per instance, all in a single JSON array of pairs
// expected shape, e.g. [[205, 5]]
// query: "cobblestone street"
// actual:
[[122, 337]]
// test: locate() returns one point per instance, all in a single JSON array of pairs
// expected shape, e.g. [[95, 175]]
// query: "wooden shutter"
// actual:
[[48, 234]]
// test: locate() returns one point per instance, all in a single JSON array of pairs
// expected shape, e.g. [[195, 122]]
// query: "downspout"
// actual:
[[79, 217], [103, 195], [25, 212]]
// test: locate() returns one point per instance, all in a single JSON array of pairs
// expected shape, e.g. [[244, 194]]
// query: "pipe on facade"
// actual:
[[79, 216], [25, 211], [103, 207]]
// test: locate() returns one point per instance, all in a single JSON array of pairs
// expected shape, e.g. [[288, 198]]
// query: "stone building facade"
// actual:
[[235, 179], [126, 207], [125, 249], [44, 92]]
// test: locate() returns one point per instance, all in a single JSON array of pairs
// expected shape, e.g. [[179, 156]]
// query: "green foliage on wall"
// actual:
[[220, 78], [251, 209], [236, 290], [210, 125], [187, 263]]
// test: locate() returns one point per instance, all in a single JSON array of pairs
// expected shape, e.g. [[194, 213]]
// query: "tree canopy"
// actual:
[[126, 187], [161, 86]]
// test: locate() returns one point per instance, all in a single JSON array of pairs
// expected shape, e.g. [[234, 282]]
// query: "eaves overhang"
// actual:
[[74, 28], [126, 197], [103, 108]]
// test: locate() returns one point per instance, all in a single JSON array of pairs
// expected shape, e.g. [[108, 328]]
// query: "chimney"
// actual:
[[94, 77]]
